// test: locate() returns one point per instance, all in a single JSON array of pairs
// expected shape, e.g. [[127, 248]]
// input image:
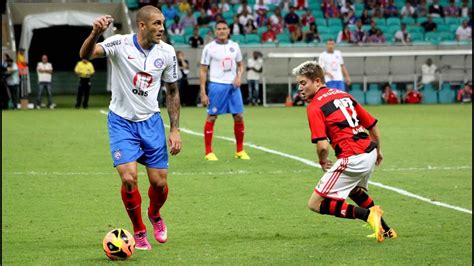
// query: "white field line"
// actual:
[[314, 164]]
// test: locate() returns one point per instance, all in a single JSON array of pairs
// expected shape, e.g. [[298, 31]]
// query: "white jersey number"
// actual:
[[344, 104]]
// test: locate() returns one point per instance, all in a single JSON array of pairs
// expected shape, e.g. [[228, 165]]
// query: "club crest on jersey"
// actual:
[[232, 49], [117, 155], [159, 63]]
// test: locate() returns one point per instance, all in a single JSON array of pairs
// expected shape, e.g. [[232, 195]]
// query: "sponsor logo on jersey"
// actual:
[[159, 63], [116, 42], [175, 75], [142, 83]]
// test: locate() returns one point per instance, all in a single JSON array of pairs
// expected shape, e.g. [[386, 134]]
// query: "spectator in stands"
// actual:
[[378, 11], [301, 4], [452, 10], [189, 20], [184, 7], [402, 35], [292, 20], [254, 71], [349, 18], [195, 41], [365, 17], [429, 25], [373, 29], [370, 5], [84, 69], [407, 10], [359, 35], [297, 34], [378, 37], [203, 20], [213, 12], [421, 9], [12, 80], [244, 6], [209, 36], [44, 69], [261, 20], [183, 73], [389, 96], [464, 32], [176, 28], [436, 10], [332, 11], [260, 7], [245, 16], [390, 9], [277, 21], [428, 73], [169, 11], [224, 6], [250, 27], [413, 96], [345, 35], [312, 35], [465, 94], [465, 9], [307, 18], [236, 28], [269, 35], [345, 6], [285, 5], [200, 4]]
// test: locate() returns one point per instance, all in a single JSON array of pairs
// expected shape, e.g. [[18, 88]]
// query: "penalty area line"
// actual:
[[314, 164]]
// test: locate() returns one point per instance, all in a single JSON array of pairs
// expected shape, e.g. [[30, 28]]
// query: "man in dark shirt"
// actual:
[[429, 25], [195, 41]]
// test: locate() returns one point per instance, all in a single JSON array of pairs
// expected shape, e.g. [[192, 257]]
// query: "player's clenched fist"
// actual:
[[102, 23]]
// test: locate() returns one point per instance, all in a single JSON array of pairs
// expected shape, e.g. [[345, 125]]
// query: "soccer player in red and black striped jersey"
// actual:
[[337, 120]]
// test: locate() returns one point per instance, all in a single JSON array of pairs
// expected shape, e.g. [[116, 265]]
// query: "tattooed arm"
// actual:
[[173, 105]]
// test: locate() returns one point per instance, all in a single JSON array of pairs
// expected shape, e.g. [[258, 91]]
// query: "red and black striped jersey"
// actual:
[[335, 115]]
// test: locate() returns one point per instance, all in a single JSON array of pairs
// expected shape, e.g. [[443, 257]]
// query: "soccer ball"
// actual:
[[118, 244]]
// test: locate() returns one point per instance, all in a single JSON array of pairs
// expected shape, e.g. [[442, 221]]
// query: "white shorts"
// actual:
[[346, 174]]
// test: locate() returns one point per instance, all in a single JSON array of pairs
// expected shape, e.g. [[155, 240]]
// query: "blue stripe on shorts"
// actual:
[[144, 141], [224, 99]]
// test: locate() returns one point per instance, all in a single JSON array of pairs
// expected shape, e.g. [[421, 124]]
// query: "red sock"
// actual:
[[208, 131], [239, 135], [133, 204], [157, 200]]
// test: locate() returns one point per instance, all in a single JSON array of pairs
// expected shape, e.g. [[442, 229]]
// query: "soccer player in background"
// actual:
[[333, 65], [140, 62], [224, 60], [336, 119]]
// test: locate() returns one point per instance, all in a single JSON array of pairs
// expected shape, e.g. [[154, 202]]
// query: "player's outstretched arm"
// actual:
[[375, 137], [202, 81], [90, 49], [173, 105]]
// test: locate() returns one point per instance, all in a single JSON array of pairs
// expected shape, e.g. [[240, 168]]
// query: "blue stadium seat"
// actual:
[[252, 39], [393, 21], [430, 95], [452, 21], [358, 93], [324, 29], [203, 31], [421, 20], [418, 29], [132, 4], [416, 36], [177, 39], [283, 38], [438, 20], [334, 29], [379, 21], [326, 36], [408, 20], [446, 94], [373, 94], [261, 30], [239, 38], [334, 22]]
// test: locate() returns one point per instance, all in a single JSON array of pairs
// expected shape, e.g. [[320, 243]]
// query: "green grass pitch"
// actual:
[[61, 195]]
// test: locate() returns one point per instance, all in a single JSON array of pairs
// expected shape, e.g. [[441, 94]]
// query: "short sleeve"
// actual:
[[365, 118], [316, 124], [206, 56], [238, 57], [170, 75], [111, 44], [341, 60]]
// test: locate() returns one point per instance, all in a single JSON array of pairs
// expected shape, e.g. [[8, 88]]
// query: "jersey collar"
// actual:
[[137, 45]]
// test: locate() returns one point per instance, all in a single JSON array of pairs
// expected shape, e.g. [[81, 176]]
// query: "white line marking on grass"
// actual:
[[314, 164]]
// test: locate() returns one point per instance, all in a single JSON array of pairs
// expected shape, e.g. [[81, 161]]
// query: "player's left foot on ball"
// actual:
[[374, 220], [159, 229], [242, 155]]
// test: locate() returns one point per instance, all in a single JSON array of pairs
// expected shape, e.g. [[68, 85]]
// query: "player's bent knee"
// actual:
[[238, 118], [129, 181], [159, 182], [211, 118]]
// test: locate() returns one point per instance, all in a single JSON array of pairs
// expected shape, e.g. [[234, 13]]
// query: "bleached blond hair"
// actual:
[[311, 70]]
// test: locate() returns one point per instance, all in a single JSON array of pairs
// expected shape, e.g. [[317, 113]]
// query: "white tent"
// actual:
[[44, 20]]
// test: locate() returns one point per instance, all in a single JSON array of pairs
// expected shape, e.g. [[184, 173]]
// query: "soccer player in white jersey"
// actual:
[[333, 65], [140, 62], [224, 60]]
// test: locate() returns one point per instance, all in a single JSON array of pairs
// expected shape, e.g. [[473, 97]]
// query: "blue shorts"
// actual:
[[336, 84], [144, 141], [224, 99]]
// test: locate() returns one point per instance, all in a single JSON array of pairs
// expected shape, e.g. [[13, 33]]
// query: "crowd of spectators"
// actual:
[[296, 21]]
